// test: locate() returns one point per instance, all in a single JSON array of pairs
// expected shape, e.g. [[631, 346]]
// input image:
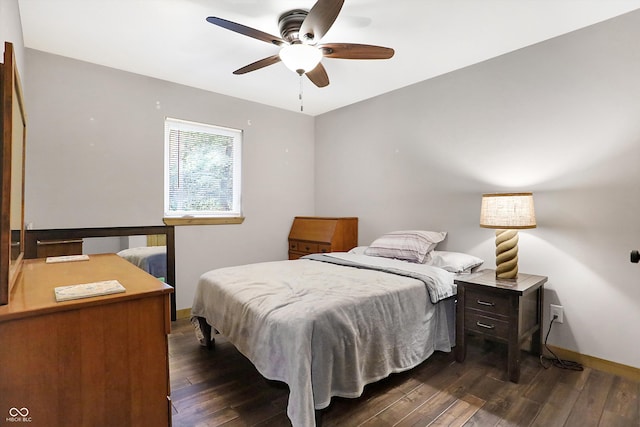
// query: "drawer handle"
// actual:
[[57, 242], [306, 248], [484, 325], [489, 304]]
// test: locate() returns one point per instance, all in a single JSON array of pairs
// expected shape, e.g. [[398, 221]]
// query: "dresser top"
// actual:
[[33, 292]]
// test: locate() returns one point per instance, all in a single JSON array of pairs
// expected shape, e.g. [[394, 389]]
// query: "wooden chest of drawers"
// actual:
[[310, 235], [98, 361], [509, 311]]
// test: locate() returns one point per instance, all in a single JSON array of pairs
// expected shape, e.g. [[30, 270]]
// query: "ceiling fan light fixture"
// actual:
[[300, 58]]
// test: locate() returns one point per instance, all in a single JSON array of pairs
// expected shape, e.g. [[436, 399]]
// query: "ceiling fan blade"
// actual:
[[258, 64], [318, 76], [320, 18], [355, 51], [244, 30]]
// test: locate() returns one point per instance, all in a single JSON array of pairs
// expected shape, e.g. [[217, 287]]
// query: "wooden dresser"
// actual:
[[94, 361], [311, 234]]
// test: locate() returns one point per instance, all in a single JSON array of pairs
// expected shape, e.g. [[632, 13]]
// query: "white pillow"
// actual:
[[454, 262], [409, 245], [358, 250]]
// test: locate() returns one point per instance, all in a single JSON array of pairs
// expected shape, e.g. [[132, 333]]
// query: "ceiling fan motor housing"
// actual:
[[290, 23]]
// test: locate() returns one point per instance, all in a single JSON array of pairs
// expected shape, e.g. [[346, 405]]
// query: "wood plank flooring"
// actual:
[[222, 388]]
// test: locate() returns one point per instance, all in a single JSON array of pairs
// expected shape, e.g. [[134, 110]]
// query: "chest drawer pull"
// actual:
[[489, 304], [484, 325]]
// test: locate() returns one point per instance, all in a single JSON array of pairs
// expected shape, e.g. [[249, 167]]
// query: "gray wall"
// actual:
[[95, 158], [561, 119], [11, 31]]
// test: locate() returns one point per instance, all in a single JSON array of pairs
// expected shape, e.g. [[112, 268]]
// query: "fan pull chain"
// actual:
[[300, 95]]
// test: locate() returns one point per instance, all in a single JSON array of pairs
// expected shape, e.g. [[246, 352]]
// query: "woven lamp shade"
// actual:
[[507, 211]]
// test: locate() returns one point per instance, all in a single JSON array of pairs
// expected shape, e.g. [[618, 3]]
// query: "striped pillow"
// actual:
[[411, 245]]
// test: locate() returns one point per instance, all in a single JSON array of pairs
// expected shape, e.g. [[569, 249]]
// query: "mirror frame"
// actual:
[[10, 98]]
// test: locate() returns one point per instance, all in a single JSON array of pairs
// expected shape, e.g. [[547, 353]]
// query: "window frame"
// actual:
[[192, 218]]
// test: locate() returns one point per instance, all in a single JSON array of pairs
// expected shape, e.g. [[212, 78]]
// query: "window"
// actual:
[[202, 173]]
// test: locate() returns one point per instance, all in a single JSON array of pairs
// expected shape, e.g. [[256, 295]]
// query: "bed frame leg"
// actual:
[[206, 331], [318, 416]]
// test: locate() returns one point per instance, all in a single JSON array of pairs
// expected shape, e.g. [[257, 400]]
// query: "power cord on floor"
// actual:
[[548, 362]]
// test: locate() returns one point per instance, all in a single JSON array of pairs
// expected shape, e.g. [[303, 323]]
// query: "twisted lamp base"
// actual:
[[506, 254]]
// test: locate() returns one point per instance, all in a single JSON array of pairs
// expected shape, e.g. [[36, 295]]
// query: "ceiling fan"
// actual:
[[301, 31]]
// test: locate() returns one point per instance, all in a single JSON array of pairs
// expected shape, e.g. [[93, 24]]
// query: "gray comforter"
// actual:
[[326, 329]]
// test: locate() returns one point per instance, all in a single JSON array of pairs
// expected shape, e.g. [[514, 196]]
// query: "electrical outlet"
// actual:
[[556, 310]]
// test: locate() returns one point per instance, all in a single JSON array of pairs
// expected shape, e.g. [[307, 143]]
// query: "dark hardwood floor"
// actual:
[[222, 388]]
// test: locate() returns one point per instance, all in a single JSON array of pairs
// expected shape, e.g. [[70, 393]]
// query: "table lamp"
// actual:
[[507, 212]]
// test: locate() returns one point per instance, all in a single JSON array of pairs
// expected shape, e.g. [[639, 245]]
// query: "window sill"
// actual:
[[203, 221]]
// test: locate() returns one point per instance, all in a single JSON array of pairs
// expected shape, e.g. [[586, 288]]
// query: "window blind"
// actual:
[[202, 169]]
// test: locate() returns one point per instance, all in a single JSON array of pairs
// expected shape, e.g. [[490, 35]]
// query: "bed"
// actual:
[[152, 259], [328, 324]]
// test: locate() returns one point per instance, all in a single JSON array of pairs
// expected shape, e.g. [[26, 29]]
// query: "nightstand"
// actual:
[[508, 311]]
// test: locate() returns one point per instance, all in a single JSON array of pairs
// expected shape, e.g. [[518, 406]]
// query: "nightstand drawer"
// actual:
[[487, 302], [486, 325]]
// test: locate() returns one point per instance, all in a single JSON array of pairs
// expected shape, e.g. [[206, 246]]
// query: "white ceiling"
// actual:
[[170, 40]]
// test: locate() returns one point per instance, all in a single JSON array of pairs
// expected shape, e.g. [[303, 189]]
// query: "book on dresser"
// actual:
[[311, 234], [87, 290]]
